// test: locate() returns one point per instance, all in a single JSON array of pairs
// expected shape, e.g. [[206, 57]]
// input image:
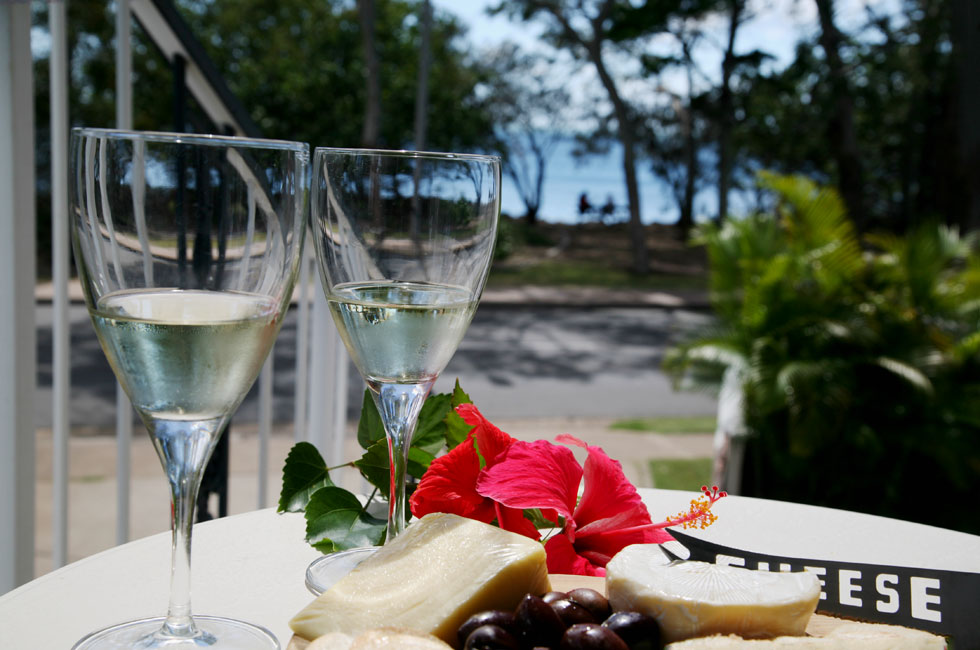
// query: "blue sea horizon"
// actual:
[[600, 177]]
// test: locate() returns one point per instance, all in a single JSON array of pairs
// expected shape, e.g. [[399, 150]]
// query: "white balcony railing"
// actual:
[[321, 364]]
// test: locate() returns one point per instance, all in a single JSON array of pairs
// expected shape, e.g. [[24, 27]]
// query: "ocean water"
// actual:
[[600, 177]]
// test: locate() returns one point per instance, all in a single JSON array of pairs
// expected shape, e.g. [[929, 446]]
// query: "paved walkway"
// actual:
[[518, 296]]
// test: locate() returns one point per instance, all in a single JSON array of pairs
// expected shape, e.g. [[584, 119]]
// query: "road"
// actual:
[[515, 362]]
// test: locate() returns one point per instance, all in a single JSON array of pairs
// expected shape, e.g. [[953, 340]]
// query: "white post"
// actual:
[[124, 412], [318, 419], [124, 66], [338, 354], [17, 277], [61, 379], [266, 380], [301, 408], [328, 385]]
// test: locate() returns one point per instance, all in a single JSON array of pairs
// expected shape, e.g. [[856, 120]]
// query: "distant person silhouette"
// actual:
[[608, 209], [584, 207]]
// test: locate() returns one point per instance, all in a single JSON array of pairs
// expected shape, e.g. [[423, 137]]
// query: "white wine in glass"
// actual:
[[404, 241], [187, 249]]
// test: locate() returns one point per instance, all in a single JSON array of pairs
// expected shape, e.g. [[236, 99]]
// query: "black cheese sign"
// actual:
[[941, 602]]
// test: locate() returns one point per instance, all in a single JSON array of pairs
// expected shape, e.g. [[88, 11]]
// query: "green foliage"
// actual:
[[681, 473], [299, 67], [506, 239], [858, 359], [667, 425], [307, 474], [335, 521], [335, 518]]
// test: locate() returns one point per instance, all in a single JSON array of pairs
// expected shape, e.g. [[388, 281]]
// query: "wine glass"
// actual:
[[404, 241], [187, 248]]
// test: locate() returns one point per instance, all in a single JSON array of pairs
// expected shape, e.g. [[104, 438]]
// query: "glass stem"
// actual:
[[399, 406], [184, 448]]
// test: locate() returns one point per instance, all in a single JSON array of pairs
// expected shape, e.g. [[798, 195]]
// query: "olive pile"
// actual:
[[578, 620]]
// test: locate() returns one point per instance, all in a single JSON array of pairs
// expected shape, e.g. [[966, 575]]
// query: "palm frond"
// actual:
[[912, 375]]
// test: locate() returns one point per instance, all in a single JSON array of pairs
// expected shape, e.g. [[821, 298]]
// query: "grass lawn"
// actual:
[[693, 424], [681, 473], [560, 273]]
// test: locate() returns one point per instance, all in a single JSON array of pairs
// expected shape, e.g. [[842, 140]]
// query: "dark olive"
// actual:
[[496, 617], [639, 631], [552, 596], [591, 600], [491, 637], [572, 613], [591, 636], [540, 625]]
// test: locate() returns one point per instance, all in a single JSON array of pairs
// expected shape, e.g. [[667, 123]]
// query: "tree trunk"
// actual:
[[841, 131], [641, 263], [425, 64], [965, 33], [372, 113], [726, 117], [966, 43], [593, 48], [686, 114], [540, 156], [686, 221]]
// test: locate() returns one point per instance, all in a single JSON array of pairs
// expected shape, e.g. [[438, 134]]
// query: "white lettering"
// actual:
[[729, 560], [847, 588], [785, 568], [763, 566], [889, 606], [820, 571], [921, 599]]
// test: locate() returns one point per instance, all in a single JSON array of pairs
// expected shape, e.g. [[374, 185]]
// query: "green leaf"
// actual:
[[304, 473], [370, 429], [430, 434], [909, 373], [535, 517], [456, 427], [336, 520], [373, 465]]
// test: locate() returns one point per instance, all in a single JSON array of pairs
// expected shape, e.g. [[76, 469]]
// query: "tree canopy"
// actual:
[[879, 107]]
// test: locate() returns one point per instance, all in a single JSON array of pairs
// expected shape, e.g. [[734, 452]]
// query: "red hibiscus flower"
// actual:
[[492, 476], [449, 485], [609, 516]]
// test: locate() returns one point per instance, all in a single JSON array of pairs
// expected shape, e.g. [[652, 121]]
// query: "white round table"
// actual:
[[252, 566]]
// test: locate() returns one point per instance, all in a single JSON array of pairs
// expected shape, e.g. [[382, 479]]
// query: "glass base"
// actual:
[[326, 570], [213, 632]]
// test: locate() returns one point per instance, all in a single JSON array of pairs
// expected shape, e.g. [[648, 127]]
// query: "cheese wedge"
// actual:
[[431, 578], [383, 638], [845, 635], [691, 599]]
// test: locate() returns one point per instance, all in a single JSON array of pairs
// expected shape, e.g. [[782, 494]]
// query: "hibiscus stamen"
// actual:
[[698, 514]]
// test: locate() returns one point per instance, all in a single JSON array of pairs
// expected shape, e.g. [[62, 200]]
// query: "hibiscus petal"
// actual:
[[449, 485], [600, 540], [513, 519], [562, 558], [607, 490], [637, 519], [491, 441], [533, 475]]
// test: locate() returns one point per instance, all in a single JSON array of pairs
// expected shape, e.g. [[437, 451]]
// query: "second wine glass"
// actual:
[[404, 242]]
